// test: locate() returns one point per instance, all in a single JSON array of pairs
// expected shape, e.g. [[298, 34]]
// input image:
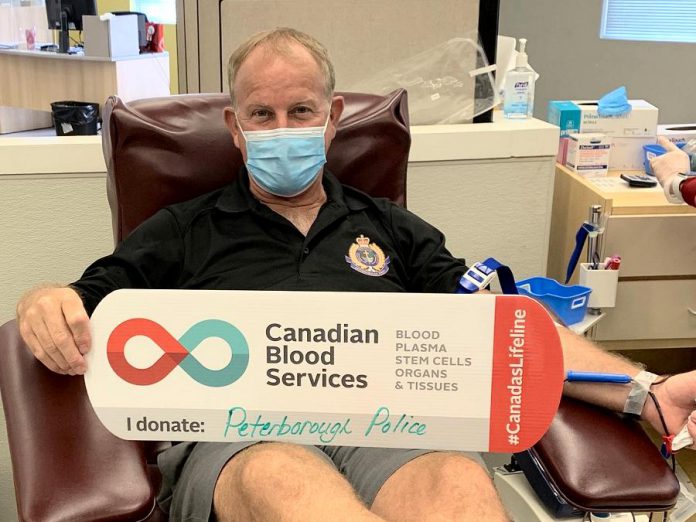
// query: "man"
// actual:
[[287, 226], [671, 169]]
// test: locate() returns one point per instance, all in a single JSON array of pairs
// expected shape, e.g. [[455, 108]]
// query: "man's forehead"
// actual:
[[292, 68]]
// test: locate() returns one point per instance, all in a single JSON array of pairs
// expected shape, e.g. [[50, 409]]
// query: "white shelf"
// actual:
[[588, 322]]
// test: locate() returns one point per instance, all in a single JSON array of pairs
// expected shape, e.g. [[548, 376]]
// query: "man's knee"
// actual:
[[275, 467], [452, 471]]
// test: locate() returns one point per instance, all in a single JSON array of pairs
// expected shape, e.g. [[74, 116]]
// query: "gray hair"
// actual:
[[279, 39]]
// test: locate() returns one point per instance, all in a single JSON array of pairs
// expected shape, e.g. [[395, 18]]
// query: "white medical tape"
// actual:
[[640, 386]]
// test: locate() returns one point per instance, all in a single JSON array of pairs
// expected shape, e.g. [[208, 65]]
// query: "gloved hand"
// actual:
[[671, 163], [667, 166], [683, 439]]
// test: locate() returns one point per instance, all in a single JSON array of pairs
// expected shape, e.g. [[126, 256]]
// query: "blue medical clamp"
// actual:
[[481, 274]]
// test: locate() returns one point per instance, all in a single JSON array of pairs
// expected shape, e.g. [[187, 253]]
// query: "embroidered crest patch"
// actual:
[[367, 258]]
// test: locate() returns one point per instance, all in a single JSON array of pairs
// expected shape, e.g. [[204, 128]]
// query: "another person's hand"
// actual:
[[668, 165], [677, 399], [54, 324]]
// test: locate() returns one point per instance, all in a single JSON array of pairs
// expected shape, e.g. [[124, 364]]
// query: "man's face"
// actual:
[[287, 90]]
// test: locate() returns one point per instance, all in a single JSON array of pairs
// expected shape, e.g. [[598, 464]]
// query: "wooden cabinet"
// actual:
[[34, 79], [656, 297]]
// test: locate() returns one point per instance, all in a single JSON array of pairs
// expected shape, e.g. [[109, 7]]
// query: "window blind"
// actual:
[[651, 20]]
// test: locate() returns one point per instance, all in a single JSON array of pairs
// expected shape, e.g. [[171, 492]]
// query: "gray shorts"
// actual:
[[190, 471]]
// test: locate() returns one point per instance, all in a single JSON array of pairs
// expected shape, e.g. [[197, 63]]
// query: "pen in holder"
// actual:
[[603, 283], [594, 238]]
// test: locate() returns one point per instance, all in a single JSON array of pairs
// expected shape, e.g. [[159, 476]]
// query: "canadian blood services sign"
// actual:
[[474, 372]]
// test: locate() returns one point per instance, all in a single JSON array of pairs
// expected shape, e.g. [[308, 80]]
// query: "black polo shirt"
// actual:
[[229, 240]]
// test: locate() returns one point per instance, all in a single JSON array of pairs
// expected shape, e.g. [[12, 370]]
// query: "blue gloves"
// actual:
[[614, 103]]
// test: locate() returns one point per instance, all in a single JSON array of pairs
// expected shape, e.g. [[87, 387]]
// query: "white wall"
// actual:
[[52, 226], [574, 63]]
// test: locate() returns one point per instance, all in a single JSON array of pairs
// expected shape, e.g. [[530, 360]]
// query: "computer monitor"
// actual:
[[65, 15]]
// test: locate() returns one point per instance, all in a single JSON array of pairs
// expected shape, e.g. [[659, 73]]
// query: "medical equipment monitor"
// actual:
[[65, 15]]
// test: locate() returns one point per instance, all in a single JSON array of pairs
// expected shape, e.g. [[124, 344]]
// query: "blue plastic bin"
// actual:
[[569, 303], [650, 151]]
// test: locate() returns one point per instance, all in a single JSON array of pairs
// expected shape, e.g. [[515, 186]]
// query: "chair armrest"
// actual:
[[600, 461], [66, 465]]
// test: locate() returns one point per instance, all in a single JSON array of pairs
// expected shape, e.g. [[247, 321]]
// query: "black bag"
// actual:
[[74, 118]]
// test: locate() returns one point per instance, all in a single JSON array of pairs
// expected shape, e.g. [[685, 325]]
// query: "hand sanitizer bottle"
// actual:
[[519, 87]]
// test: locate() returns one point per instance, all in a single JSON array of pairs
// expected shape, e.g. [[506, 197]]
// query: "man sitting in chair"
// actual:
[[286, 224]]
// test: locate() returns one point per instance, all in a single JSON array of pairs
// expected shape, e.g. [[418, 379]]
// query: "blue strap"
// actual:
[[580, 238], [482, 273]]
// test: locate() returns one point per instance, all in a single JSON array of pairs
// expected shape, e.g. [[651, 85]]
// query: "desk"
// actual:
[[34, 79], [656, 296]]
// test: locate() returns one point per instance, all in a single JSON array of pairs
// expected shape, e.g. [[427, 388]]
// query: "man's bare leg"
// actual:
[[277, 481], [439, 486]]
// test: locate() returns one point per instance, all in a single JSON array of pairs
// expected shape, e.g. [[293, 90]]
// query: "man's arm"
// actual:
[[54, 320], [675, 395]]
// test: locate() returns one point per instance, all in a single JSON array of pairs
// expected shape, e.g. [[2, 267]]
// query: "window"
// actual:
[[158, 11], [651, 20]]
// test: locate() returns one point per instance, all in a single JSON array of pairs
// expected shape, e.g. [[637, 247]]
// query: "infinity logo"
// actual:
[[177, 353]]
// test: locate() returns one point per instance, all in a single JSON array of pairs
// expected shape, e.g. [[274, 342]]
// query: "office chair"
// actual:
[[67, 467]]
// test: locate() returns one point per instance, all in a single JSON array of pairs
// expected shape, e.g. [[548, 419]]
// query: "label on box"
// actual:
[[589, 154]]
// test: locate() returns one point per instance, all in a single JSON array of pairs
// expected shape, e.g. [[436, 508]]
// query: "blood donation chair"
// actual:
[[67, 467]]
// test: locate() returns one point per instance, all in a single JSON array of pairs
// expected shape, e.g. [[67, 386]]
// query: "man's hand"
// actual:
[[677, 399], [669, 164], [54, 324]]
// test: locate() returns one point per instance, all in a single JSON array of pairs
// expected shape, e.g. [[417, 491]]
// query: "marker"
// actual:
[[612, 263]]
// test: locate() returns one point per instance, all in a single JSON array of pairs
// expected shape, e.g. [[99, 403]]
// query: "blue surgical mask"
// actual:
[[286, 161]]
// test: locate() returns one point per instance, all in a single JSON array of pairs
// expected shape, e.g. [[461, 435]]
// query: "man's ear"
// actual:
[[231, 122], [337, 105]]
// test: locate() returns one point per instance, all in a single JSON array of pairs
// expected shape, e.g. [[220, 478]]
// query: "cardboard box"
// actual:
[[628, 132], [111, 36], [678, 133], [588, 153]]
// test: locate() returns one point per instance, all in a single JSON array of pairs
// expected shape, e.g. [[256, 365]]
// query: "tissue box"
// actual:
[[628, 132], [588, 154], [111, 36], [678, 133]]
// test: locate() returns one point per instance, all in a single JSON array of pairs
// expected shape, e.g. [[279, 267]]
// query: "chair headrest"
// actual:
[[161, 151]]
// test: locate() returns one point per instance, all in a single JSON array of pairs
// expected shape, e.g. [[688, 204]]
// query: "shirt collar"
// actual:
[[237, 197]]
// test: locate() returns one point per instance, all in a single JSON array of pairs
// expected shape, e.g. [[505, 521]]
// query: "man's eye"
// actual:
[[260, 113], [301, 110]]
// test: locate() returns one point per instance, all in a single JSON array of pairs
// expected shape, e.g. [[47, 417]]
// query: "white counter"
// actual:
[[50, 55], [499, 140]]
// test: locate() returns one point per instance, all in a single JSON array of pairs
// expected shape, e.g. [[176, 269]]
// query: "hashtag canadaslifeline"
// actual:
[[516, 365]]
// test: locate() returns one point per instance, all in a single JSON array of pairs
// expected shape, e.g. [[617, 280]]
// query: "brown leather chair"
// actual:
[[593, 460], [67, 467]]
